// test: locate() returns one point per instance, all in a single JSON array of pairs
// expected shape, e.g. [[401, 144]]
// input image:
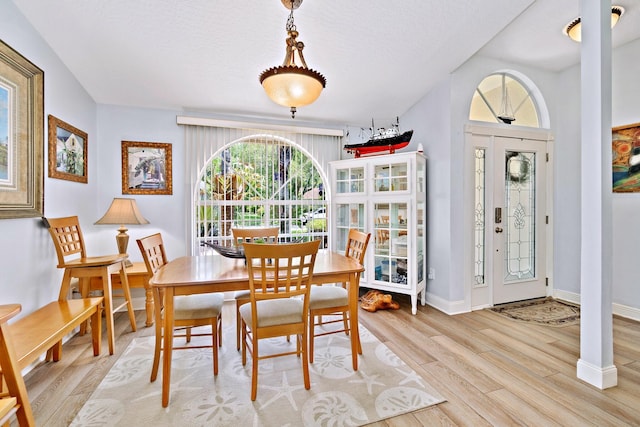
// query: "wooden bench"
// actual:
[[25, 340]]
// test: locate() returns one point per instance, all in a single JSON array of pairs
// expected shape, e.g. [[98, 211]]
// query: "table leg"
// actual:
[[167, 347], [354, 284]]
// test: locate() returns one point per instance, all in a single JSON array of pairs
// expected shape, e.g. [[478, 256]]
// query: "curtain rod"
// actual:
[[201, 121]]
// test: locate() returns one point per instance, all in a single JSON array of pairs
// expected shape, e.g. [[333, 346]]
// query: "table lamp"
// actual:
[[123, 211]]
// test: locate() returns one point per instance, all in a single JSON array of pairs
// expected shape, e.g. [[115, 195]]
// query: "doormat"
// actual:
[[545, 311]]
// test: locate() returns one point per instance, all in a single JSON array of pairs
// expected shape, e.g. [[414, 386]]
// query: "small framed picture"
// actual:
[[67, 151], [146, 168]]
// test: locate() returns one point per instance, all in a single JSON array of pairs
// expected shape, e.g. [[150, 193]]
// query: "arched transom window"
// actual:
[[502, 98]]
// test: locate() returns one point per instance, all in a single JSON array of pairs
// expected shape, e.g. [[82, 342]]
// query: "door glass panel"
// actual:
[[520, 203], [479, 223]]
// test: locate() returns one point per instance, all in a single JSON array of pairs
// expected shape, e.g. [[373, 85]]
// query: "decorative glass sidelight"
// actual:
[[520, 224], [479, 223]]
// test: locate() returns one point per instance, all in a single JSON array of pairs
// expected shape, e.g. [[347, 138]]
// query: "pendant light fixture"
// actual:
[[292, 84]]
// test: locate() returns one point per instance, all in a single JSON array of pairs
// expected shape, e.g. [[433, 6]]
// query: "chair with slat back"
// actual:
[[330, 300], [240, 236], [189, 310], [72, 256], [279, 280]]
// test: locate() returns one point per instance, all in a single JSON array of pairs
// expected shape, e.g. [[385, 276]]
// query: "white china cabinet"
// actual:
[[386, 196]]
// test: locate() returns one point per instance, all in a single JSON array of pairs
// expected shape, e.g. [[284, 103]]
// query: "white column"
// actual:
[[596, 322]]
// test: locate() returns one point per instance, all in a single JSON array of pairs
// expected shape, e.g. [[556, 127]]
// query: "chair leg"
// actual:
[[238, 325], [127, 295], [254, 366], [156, 353], [239, 302], [312, 335], [214, 343], [345, 322], [305, 361]]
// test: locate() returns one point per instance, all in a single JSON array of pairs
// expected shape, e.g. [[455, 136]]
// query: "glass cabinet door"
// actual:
[[390, 177], [348, 215], [391, 243], [350, 180]]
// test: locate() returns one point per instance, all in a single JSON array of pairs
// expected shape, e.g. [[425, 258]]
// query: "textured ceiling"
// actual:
[[379, 57]]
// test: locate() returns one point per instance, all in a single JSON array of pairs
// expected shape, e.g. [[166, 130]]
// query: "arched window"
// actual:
[[241, 174], [503, 98], [260, 180]]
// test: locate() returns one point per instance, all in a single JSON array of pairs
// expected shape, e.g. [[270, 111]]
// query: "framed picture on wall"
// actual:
[[146, 168], [67, 151], [21, 136], [626, 158]]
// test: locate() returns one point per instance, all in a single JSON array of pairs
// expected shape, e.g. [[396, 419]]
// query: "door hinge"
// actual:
[[546, 281], [547, 157], [547, 219]]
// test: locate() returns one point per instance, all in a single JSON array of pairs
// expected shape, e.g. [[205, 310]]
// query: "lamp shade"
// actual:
[[122, 211]]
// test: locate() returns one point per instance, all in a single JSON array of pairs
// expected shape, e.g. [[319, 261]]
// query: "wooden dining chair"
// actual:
[[240, 236], [189, 310], [333, 300], [279, 280], [69, 242]]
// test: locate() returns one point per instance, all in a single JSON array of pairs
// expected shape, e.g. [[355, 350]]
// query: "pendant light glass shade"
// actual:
[[574, 28], [292, 86]]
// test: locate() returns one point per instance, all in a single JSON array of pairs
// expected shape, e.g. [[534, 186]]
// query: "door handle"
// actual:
[[499, 230]]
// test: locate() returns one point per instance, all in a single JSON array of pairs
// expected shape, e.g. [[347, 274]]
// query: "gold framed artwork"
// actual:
[[67, 151], [626, 158], [21, 136], [146, 168]]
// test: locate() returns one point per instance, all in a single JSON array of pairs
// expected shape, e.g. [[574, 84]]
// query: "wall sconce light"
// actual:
[[574, 29], [123, 211], [292, 84]]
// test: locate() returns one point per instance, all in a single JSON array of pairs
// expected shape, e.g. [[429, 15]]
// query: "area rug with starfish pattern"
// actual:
[[382, 387], [544, 311]]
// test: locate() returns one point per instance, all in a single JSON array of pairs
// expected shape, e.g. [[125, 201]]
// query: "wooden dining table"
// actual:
[[213, 273]]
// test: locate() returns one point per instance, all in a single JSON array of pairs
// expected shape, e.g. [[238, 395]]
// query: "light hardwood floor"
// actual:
[[491, 370]]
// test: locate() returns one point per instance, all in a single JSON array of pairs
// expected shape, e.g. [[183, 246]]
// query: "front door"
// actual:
[[519, 182], [508, 244]]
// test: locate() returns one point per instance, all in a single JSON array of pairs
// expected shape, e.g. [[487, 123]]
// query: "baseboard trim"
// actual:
[[602, 378], [618, 309], [446, 306]]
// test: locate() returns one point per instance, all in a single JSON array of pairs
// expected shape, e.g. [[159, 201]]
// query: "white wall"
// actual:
[[626, 207], [430, 119], [27, 258], [166, 213]]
